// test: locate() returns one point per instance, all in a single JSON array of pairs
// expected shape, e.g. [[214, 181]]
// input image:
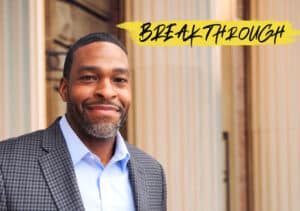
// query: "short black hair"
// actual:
[[85, 40]]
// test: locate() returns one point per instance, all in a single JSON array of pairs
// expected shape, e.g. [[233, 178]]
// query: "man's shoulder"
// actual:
[[28, 148], [28, 137], [142, 157], [26, 141], [16, 146]]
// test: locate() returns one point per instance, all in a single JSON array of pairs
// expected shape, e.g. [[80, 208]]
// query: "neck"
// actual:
[[104, 149]]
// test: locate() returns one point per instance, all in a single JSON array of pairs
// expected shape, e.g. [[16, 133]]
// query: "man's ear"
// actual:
[[63, 89]]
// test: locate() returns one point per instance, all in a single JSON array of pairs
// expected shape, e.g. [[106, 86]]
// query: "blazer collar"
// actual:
[[138, 181], [58, 170], [60, 176]]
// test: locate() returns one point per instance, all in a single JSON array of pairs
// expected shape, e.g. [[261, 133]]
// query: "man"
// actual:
[[81, 162]]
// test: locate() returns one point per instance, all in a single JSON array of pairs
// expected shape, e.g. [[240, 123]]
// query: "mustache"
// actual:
[[103, 102]]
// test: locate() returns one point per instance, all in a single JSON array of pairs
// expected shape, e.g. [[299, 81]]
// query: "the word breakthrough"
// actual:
[[210, 33]]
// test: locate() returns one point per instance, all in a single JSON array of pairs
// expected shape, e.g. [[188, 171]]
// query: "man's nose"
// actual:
[[105, 89]]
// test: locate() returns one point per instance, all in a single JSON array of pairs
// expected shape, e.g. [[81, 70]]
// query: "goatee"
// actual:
[[102, 130]]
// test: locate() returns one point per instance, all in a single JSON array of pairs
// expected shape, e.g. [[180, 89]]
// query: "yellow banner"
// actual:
[[210, 33]]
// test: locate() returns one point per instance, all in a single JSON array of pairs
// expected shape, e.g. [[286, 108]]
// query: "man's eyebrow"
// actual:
[[95, 68], [89, 68], [121, 70]]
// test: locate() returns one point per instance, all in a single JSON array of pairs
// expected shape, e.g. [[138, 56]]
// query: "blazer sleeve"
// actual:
[[164, 186], [2, 194]]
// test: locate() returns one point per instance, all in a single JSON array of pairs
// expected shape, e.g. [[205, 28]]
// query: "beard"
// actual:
[[103, 128]]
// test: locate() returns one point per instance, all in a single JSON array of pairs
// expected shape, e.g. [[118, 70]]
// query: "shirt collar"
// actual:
[[78, 150], [121, 154]]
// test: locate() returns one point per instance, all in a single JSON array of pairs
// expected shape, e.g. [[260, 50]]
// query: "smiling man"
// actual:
[[82, 162]]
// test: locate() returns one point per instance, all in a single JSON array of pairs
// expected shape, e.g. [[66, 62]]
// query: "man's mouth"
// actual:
[[103, 107]]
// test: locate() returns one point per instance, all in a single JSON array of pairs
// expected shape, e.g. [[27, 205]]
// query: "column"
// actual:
[[275, 115], [176, 115], [22, 67]]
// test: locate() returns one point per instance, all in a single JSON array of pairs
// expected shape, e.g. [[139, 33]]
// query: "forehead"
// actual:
[[100, 51]]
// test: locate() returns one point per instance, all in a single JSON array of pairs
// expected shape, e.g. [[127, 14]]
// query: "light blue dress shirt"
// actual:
[[102, 188]]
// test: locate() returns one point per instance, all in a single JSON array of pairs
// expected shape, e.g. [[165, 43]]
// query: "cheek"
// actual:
[[125, 97], [77, 95]]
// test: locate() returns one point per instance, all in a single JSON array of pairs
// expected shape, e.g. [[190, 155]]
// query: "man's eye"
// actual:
[[88, 78], [121, 80]]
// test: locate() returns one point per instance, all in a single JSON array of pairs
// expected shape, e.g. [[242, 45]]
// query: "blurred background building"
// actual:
[[223, 121]]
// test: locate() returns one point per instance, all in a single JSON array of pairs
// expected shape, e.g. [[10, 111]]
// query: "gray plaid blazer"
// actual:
[[36, 173]]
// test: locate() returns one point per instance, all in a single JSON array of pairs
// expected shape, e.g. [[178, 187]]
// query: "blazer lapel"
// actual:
[[58, 170], [138, 183]]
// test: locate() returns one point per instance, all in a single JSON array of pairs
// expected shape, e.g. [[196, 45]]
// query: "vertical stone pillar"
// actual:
[[275, 112], [22, 67], [177, 108]]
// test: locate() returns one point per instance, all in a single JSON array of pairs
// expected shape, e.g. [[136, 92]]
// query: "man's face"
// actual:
[[98, 90]]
